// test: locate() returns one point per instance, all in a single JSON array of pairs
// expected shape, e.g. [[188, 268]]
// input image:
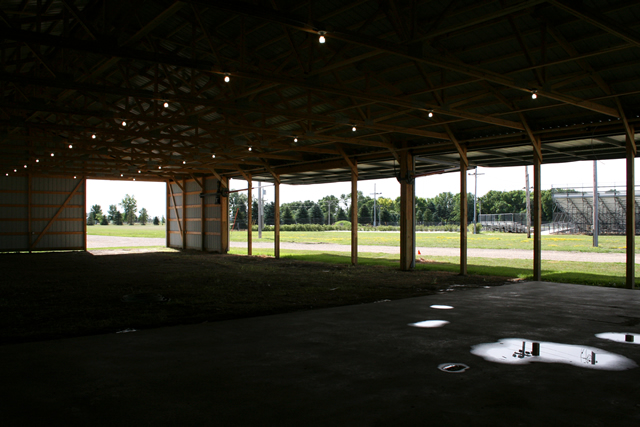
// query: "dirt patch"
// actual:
[[55, 295]]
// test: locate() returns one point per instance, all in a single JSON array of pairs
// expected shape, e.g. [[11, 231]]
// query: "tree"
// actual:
[[144, 216], [162, 221], [97, 213], [364, 217], [269, 210], [316, 215], [156, 221], [129, 205], [91, 220], [342, 216], [302, 216], [385, 216], [104, 220], [118, 218], [112, 212], [287, 216]]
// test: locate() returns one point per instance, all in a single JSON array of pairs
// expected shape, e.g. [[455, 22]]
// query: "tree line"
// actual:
[[441, 209], [129, 206]]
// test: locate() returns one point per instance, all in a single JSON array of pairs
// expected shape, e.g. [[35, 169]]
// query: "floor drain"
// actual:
[[453, 368], [146, 297]]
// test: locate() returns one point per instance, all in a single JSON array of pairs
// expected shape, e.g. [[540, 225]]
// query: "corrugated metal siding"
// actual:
[[175, 238], [47, 197], [193, 216]]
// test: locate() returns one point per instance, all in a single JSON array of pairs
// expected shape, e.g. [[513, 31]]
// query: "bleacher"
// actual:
[[574, 207]]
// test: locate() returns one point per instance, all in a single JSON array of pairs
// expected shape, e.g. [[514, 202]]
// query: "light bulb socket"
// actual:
[[322, 39]]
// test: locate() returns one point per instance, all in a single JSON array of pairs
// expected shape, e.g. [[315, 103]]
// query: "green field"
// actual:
[[136, 230], [601, 274], [586, 273], [450, 240]]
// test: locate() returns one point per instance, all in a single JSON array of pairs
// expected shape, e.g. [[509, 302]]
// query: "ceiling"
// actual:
[[136, 90]]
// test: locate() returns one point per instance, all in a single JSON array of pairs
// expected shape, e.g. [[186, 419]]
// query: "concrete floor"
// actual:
[[356, 365]]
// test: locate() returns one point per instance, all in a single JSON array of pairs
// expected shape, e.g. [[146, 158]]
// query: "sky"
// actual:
[[151, 195]]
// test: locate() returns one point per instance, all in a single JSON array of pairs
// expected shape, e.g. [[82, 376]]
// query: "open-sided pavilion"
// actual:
[[198, 92]]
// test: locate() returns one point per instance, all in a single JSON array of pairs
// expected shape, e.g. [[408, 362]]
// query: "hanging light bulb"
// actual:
[[184, 162], [52, 155], [227, 79], [166, 104], [124, 123], [250, 148], [159, 167], [430, 113], [295, 139], [74, 177], [534, 94], [213, 156], [139, 171], [70, 145], [121, 174], [353, 129], [93, 136], [321, 39], [6, 174], [15, 170], [37, 160], [25, 166]]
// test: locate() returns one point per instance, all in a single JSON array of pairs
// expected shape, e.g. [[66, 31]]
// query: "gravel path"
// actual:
[[116, 242], [112, 242]]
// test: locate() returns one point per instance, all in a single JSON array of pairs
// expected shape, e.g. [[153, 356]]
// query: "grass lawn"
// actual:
[[577, 243], [587, 273], [136, 230]]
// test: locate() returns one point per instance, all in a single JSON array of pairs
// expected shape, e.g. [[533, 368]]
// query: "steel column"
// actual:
[[463, 210], [354, 215], [406, 210], [537, 211]]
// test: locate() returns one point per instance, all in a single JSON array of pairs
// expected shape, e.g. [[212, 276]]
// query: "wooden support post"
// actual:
[[84, 203], [224, 217], [29, 228], [249, 217], [167, 222], [184, 214], [537, 210], [464, 162], [631, 211], [203, 219], [406, 210], [354, 214], [276, 219]]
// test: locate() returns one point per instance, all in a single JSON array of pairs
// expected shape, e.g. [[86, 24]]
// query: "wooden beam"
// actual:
[[51, 221], [537, 211], [175, 210], [464, 162], [276, 218], [631, 213], [354, 214], [600, 20], [249, 219], [406, 210]]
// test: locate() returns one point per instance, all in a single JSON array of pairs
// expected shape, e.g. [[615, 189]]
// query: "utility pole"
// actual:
[[526, 174], [259, 210], [375, 203], [329, 211], [595, 204], [475, 202]]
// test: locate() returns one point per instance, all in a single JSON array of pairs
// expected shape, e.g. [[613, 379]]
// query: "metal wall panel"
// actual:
[[174, 236], [48, 195], [192, 220]]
